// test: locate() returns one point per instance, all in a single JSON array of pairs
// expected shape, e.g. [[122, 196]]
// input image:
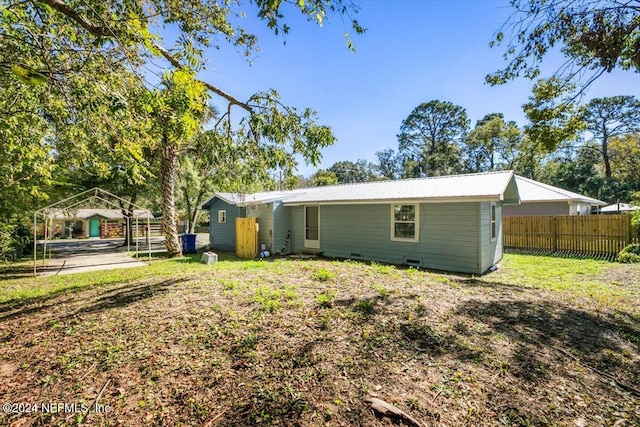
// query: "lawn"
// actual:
[[541, 341]]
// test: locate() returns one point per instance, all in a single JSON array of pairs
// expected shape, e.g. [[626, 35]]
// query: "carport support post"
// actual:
[[137, 236], [44, 247], [50, 242], [129, 233], [149, 237], [35, 226]]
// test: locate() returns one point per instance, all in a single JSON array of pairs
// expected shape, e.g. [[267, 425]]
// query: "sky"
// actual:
[[413, 51]]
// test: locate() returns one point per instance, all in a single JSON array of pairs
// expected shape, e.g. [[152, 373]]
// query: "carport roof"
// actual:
[[90, 213]]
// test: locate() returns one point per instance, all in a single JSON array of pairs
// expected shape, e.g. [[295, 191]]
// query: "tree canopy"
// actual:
[[88, 82], [492, 144], [430, 138], [349, 172], [595, 36], [610, 117]]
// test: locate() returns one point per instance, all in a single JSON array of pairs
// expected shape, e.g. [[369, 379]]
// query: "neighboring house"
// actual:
[[543, 199], [618, 208], [449, 223], [103, 223]]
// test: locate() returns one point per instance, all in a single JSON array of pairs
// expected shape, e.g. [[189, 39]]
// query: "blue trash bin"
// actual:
[[189, 243]]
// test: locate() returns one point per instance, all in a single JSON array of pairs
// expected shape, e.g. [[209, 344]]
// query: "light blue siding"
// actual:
[[274, 222], [281, 228], [264, 215], [452, 236], [448, 235], [537, 208], [223, 236], [491, 252], [297, 229]]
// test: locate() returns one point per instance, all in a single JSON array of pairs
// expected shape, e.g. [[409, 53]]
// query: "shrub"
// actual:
[[15, 241], [630, 254], [6, 241]]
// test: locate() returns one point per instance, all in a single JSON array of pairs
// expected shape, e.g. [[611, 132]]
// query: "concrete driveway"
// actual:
[[75, 256]]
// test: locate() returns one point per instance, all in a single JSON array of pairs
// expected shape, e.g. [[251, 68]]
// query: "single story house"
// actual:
[[618, 208], [451, 223], [543, 199], [103, 223]]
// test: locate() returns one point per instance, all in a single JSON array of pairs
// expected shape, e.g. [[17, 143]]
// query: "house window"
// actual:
[[404, 223], [494, 224], [222, 217]]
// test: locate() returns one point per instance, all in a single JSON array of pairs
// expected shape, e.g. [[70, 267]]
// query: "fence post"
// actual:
[[554, 232]]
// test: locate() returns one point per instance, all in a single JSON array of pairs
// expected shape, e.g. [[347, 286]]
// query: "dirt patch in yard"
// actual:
[[622, 274], [306, 342]]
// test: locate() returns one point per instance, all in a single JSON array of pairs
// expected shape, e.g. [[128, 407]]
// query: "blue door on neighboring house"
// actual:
[[94, 228]]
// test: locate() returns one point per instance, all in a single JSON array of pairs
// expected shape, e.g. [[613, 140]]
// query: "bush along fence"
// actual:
[[588, 235]]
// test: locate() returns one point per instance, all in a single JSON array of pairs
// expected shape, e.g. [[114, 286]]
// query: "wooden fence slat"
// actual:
[[589, 234]]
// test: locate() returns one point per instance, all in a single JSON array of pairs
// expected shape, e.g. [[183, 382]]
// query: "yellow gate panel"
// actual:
[[246, 237]]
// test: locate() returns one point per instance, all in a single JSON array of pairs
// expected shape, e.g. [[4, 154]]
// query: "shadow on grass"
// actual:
[[24, 306], [610, 257], [474, 282], [538, 326], [126, 295], [280, 402], [12, 273], [112, 298], [520, 339]]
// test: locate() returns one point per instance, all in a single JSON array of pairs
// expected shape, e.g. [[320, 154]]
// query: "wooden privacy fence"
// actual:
[[596, 234], [140, 229], [246, 237]]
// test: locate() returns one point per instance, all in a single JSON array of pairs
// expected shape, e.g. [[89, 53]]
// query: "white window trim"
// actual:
[[393, 222], [222, 216], [493, 221]]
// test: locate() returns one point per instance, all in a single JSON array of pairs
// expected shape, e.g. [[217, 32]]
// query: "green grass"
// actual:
[[326, 298], [303, 342], [322, 275], [26, 289], [582, 278]]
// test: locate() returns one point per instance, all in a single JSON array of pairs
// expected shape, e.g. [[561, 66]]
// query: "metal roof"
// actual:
[[534, 191], [480, 186], [619, 207], [257, 198]]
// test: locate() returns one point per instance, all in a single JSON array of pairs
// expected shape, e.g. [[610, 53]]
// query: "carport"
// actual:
[[94, 196]]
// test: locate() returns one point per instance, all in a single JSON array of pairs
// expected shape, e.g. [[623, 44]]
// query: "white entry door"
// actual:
[[312, 227]]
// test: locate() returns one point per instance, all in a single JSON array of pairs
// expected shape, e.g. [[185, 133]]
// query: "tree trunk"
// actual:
[[193, 217], [127, 213], [195, 211], [169, 167], [606, 158]]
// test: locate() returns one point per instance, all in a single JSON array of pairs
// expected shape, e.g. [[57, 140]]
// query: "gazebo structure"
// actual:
[[67, 208]]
